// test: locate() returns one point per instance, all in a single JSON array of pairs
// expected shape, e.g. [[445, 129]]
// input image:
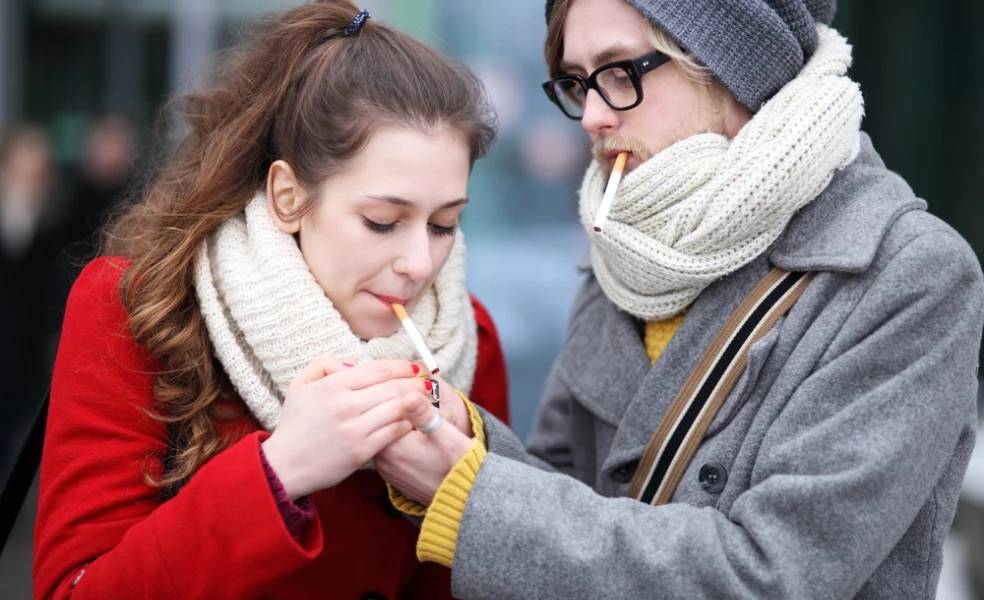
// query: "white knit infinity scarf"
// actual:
[[267, 316], [704, 207]]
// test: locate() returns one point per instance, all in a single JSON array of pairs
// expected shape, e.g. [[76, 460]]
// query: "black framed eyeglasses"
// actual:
[[618, 83]]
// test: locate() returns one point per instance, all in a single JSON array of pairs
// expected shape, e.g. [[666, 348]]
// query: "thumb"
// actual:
[[418, 410]]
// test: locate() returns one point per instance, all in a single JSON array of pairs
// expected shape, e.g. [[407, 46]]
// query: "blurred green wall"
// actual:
[[920, 64]]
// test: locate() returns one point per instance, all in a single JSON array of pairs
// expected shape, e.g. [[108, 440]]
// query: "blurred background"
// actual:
[[82, 81]]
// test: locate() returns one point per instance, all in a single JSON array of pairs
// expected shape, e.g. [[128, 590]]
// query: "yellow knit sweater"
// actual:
[[439, 532]]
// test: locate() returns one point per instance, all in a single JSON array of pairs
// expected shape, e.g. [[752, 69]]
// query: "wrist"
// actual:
[[285, 469]]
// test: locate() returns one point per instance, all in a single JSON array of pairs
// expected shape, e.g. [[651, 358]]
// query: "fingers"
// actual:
[[418, 410], [319, 368], [375, 372], [371, 397], [386, 435], [384, 414]]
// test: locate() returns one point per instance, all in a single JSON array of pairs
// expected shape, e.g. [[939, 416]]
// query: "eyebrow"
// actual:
[[610, 54], [403, 202]]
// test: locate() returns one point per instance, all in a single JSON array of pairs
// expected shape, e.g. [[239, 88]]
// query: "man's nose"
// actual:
[[598, 117]]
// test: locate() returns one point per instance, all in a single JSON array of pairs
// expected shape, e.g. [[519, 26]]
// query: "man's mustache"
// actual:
[[604, 146]]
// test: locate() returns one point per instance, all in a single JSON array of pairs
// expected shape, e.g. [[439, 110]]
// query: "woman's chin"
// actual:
[[368, 329]]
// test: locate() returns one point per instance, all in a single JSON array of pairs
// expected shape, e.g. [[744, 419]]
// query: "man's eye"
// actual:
[[378, 227], [624, 81]]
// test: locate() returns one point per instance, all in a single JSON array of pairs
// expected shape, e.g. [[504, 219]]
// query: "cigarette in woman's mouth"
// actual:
[[418, 342]]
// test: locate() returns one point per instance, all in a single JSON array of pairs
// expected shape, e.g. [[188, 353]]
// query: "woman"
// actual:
[[249, 291]]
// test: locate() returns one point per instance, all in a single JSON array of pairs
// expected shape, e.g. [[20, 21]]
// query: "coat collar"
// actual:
[[843, 227]]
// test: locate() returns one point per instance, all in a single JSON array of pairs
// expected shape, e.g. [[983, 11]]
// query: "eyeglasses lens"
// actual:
[[618, 87], [571, 96]]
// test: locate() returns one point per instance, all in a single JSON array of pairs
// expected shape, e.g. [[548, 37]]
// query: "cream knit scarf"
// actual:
[[267, 317], [705, 207]]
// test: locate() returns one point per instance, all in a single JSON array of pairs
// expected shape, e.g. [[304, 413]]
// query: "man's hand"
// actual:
[[417, 463], [453, 408]]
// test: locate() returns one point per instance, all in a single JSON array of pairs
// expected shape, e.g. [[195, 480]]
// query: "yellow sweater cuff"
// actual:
[[478, 425], [439, 532], [405, 505], [415, 509]]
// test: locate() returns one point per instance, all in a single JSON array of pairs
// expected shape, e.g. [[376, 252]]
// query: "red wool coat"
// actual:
[[222, 536]]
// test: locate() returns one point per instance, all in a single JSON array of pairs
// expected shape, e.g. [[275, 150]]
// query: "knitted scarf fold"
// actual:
[[706, 206], [267, 317]]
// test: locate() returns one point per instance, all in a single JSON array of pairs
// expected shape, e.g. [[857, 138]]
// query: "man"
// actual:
[[833, 466]]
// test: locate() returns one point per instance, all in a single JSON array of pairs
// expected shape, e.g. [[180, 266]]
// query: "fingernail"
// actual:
[[348, 365], [428, 385], [416, 369]]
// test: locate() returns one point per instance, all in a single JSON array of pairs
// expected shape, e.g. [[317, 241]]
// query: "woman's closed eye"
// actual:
[[443, 229], [384, 228], [378, 227]]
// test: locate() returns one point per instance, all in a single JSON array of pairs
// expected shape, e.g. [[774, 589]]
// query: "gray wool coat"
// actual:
[[843, 445]]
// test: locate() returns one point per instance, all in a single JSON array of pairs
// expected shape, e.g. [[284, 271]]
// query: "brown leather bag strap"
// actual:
[[682, 429]]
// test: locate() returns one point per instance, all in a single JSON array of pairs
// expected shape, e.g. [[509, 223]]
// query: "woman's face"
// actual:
[[383, 227]]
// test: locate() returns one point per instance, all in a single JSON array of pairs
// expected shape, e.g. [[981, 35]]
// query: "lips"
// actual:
[[404, 300]]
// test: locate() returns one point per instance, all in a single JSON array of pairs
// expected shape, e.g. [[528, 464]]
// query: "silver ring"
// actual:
[[433, 425]]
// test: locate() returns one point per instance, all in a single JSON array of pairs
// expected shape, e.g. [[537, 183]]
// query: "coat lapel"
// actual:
[[603, 361], [664, 380]]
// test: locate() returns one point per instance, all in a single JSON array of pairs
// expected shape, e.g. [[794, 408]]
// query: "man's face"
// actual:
[[597, 32]]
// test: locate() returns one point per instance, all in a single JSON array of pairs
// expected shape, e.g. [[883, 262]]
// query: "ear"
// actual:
[[284, 196]]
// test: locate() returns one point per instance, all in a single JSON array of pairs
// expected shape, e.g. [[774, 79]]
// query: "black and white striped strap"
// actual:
[[682, 429]]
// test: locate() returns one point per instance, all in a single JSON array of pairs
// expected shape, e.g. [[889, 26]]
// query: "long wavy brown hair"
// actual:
[[299, 90]]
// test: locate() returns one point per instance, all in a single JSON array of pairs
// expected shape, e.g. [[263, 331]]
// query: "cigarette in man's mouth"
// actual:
[[418, 342], [613, 181]]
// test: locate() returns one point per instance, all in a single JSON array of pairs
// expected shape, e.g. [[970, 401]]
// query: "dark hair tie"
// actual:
[[357, 23]]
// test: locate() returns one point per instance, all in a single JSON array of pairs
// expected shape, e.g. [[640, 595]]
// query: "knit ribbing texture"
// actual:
[[267, 317], [706, 206]]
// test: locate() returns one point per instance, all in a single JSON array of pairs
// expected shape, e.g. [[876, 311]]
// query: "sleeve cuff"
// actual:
[[478, 425], [405, 505], [295, 514], [439, 531]]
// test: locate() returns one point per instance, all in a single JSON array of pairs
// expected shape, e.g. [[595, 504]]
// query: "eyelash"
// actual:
[[382, 228]]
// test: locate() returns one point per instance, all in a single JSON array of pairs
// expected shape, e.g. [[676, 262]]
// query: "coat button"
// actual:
[[712, 478], [372, 596], [625, 473]]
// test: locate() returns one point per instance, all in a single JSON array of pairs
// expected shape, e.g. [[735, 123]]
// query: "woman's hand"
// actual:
[[336, 418], [417, 463]]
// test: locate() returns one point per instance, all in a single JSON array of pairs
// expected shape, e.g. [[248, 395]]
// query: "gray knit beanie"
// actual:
[[754, 47]]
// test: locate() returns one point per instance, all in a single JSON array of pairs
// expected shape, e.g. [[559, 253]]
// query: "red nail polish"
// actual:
[[428, 385], [416, 369], [348, 365]]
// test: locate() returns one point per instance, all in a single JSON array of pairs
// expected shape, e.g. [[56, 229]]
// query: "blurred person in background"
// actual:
[[833, 466], [93, 188], [105, 174], [231, 364], [31, 219]]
